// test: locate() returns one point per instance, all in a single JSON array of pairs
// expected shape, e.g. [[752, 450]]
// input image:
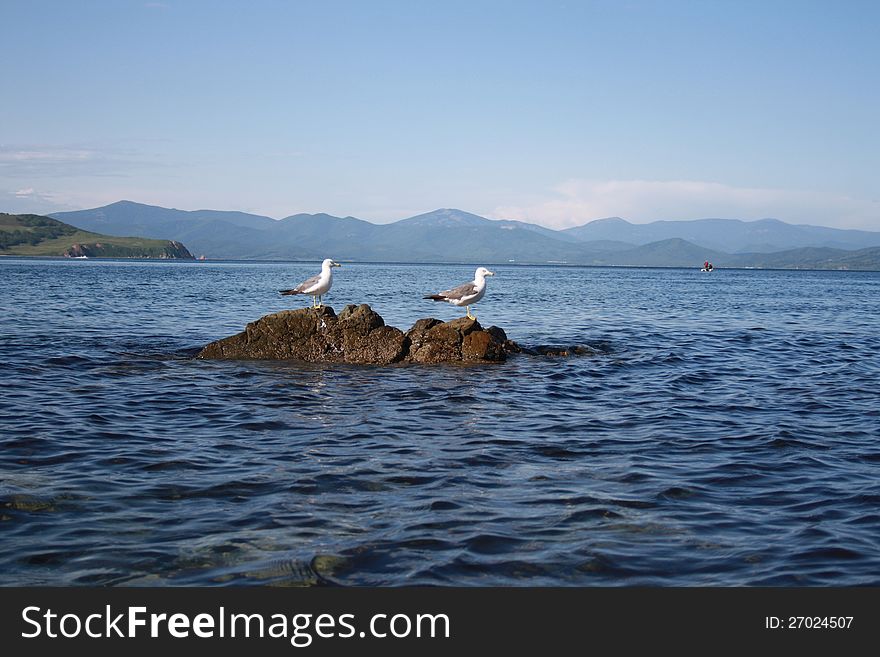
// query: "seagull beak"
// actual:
[[490, 273], [336, 264]]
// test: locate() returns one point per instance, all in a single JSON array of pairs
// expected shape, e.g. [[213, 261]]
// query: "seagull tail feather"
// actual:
[[287, 292], [435, 297]]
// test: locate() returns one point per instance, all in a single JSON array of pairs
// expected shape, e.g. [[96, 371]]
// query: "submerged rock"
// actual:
[[359, 335], [573, 350]]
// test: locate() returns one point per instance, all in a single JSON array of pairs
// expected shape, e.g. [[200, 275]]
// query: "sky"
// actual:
[[556, 113]]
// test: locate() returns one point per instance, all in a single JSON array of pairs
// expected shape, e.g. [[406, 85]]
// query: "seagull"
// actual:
[[317, 286], [466, 294]]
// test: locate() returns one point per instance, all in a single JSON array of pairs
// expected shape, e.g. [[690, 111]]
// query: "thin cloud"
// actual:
[[575, 202], [8, 155], [28, 200], [53, 161]]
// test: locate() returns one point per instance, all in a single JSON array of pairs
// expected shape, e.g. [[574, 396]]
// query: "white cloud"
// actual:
[[57, 155], [29, 200], [61, 161], [575, 202]]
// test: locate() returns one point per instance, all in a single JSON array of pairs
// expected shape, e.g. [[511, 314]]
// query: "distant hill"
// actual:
[[453, 235], [218, 233], [35, 235], [730, 235], [673, 252], [808, 258], [450, 235]]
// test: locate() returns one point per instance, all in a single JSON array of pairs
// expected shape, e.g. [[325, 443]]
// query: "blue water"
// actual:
[[726, 431]]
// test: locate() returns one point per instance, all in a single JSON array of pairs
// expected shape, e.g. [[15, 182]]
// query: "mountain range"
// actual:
[[449, 235]]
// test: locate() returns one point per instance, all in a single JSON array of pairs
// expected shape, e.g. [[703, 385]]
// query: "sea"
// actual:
[[719, 429]]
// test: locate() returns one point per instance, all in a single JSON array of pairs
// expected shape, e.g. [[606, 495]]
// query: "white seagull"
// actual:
[[317, 286], [466, 294]]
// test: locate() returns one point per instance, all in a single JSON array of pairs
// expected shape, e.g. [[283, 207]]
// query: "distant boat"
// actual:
[[82, 257], [201, 257], [707, 266]]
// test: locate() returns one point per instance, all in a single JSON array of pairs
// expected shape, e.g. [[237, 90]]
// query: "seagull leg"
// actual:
[[469, 316], [320, 300]]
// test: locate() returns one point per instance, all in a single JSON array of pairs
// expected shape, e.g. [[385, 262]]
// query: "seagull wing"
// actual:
[[305, 285], [456, 293], [460, 292]]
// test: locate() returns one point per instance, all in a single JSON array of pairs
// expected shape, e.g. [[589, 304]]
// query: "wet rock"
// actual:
[[359, 335], [500, 336], [316, 335], [418, 333], [545, 350], [548, 350], [480, 345], [441, 342]]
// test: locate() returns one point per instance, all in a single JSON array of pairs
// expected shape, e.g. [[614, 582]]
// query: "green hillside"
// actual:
[[33, 235]]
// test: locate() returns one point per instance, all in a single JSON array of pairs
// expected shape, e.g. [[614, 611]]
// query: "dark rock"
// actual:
[[381, 346], [438, 344], [463, 339], [317, 335], [500, 336], [416, 335], [359, 335], [363, 317], [463, 325], [544, 350], [547, 350], [497, 333], [480, 345]]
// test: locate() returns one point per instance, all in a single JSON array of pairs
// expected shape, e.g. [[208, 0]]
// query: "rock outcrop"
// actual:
[[359, 335]]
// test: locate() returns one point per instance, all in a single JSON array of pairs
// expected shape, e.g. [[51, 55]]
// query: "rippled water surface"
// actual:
[[726, 431]]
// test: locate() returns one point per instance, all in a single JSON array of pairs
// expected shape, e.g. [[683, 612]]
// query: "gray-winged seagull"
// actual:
[[466, 294], [317, 286]]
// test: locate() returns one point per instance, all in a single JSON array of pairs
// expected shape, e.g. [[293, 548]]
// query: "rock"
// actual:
[[359, 335], [381, 346], [500, 336], [317, 335], [463, 325], [416, 335], [480, 345], [439, 344], [574, 350], [463, 339], [361, 316], [545, 350]]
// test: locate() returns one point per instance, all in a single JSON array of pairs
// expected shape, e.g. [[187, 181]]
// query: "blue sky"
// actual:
[[551, 112]]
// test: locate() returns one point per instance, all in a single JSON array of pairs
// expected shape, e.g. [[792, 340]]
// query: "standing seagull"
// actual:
[[317, 286], [466, 294]]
